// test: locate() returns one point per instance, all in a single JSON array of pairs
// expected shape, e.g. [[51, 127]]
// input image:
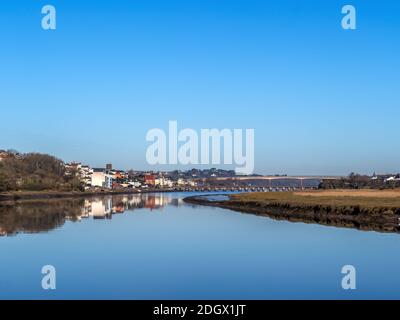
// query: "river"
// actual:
[[155, 246]]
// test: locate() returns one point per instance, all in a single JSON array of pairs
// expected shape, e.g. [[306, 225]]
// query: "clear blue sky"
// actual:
[[322, 100]]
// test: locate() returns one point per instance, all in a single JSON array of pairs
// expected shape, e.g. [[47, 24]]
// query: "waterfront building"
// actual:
[[101, 179], [134, 184], [82, 171], [150, 179]]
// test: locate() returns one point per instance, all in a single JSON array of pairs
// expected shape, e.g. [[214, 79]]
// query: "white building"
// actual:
[[134, 184], [83, 172], [164, 182], [102, 180], [184, 182], [86, 175]]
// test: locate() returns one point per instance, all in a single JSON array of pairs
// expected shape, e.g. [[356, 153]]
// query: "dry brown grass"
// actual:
[[352, 193], [362, 198]]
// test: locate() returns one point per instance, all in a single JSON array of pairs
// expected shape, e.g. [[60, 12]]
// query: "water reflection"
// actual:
[[42, 216]]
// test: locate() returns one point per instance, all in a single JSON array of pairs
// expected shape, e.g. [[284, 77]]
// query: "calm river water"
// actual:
[[154, 246]]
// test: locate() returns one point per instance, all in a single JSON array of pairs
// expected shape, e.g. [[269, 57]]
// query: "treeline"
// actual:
[[35, 172], [357, 181]]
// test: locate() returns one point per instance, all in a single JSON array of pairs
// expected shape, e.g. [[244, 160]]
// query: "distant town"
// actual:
[[37, 172], [41, 172], [110, 178]]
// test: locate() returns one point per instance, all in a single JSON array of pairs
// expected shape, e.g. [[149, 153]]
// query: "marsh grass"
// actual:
[[333, 198]]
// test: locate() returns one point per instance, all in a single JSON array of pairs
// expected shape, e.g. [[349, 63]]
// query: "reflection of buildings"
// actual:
[[101, 208], [50, 214], [86, 209], [152, 201]]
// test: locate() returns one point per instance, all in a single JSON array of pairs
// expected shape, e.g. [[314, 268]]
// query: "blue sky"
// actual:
[[322, 100]]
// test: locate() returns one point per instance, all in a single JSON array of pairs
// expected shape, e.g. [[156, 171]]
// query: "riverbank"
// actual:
[[43, 195], [361, 209]]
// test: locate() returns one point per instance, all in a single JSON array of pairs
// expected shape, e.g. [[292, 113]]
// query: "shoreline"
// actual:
[[378, 219], [47, 195]]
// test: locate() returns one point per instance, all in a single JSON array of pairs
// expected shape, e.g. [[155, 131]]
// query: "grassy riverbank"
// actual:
[[337, 198], [362, 209]]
